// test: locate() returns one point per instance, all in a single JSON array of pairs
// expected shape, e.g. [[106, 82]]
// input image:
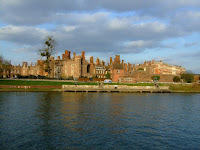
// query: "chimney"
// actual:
[[129, 66], [149, 62], [58, 57], [97, 61], [74, 55], [91, 59], [83, 55], [110, 60], [117, 59], [25, 64], [69, 54], [103, 63], [153, 61], [63, 56], [66, 55]]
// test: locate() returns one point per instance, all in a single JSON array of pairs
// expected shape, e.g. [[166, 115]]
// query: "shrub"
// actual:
[[33, 77], [108, 75], [176, 79], [140, 69], [70, 78], [155, 78], [187, 77]]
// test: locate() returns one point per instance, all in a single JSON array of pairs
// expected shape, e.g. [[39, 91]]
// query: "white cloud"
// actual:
[[118, 24], [22, 34], [139, 44], [188, 20], [103, 33], [23, 12], [69, 28]]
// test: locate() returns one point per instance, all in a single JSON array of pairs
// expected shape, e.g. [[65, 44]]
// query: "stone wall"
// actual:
[[111, 87]]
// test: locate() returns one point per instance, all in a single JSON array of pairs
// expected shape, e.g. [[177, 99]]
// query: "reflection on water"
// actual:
[[55, 120]]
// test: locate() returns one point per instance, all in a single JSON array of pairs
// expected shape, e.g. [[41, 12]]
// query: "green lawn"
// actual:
[[31, 82], [185, 87], [26, 82]]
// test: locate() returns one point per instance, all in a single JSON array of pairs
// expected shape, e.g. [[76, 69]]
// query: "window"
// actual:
[[118, 71]]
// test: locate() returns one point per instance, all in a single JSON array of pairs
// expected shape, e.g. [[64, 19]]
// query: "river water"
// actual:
[[59, 120]]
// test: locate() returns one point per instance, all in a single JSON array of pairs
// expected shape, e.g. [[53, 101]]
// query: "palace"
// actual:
[[77, 67]]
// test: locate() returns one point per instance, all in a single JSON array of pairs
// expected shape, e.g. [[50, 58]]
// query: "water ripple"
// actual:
[[99, 121]]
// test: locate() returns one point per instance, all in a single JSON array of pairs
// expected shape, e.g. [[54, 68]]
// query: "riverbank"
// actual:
[[57, 85], [185, 88], [29, 90]]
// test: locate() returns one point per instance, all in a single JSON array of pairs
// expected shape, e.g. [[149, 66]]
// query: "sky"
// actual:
[[137, 30]]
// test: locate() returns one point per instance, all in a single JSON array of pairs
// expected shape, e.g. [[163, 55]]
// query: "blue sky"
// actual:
[[136, 30]]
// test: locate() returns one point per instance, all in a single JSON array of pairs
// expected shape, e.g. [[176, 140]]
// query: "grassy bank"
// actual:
[[184, 87], [172, 87], [35, 82]]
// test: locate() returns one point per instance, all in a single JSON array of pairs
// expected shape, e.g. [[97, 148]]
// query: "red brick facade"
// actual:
[[77, 66]]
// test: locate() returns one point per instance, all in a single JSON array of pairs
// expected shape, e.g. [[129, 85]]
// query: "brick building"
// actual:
[[144, 72], [77, 66], [116, 68], [60, 68]]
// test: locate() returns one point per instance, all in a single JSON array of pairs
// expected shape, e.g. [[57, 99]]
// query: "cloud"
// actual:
[[195, 54], [101, 27], [103, 33], [22, 34], [80, 18], [139, 46], [189, 44], [112, 34], [188, 60], [188, 20], [32, 12]]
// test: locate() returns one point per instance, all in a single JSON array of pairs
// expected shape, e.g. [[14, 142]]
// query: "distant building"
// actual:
[[144, 72], [61, 68], [77, 67]]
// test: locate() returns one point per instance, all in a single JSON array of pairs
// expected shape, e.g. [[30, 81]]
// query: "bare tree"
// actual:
[[4, 65], [48, 51]]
